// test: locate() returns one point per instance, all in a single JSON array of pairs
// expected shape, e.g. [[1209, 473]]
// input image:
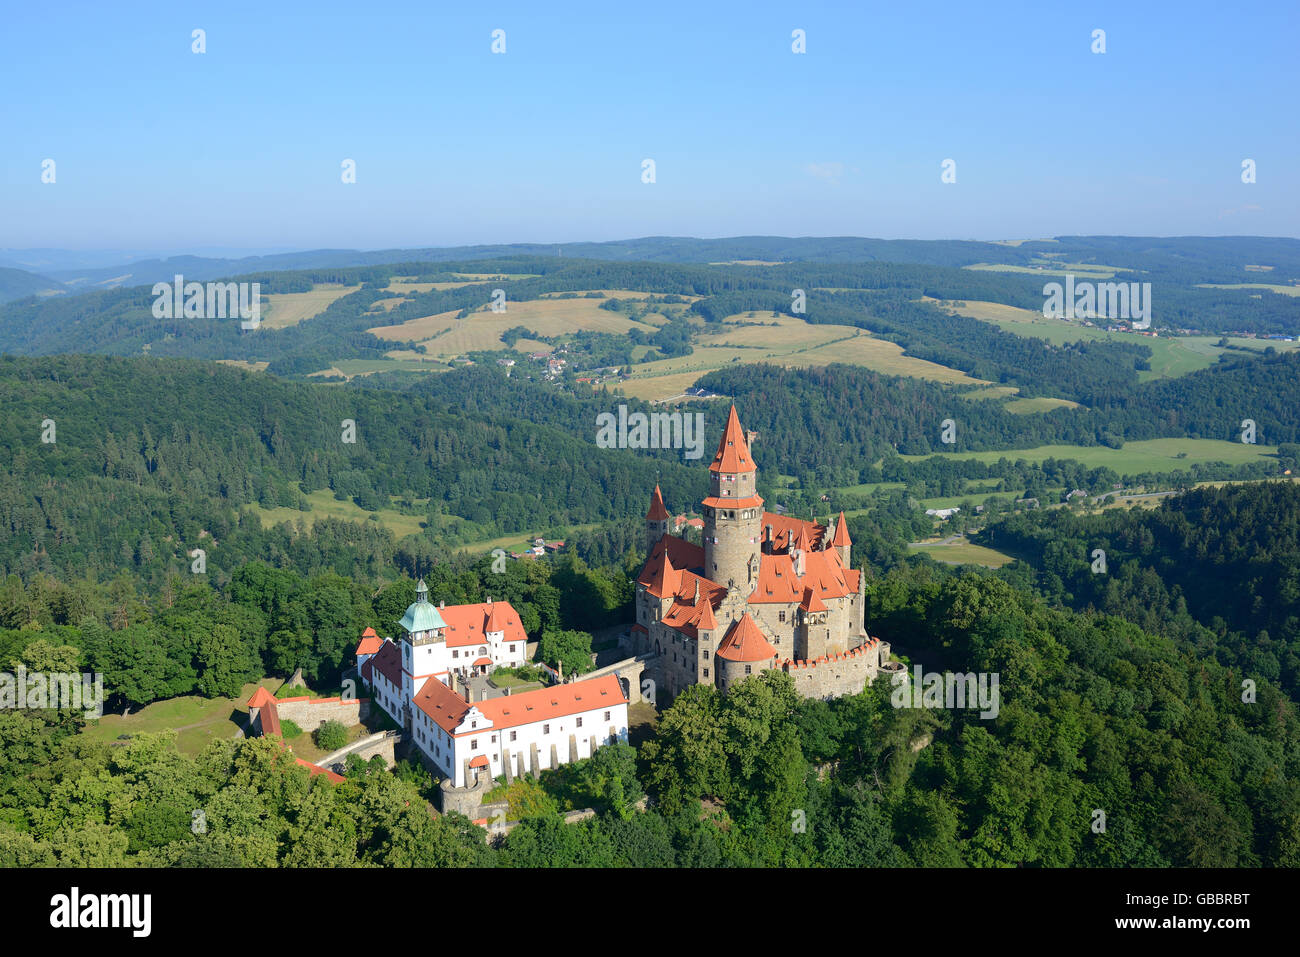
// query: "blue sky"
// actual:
[[158, 147]]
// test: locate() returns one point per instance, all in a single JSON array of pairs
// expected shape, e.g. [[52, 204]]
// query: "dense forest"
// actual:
[[1216, 568], [1096, 717]]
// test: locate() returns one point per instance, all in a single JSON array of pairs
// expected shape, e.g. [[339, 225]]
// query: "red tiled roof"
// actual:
[[688, 614], [657, 511], [783, 527], [824, 573], [497, 619], [733, 450], [485, 660], [467, 624], [370, 642], [315, 769], [680, 554], [546, 704], [752, 502], [478, 761], [811, 601], [260, 698], [659, 576], [745, 642], [444, 706], [841, 533], [269, 716]]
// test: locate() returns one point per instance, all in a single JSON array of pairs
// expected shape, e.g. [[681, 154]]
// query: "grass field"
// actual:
[[1039, 404], [1284, 289], [245, 364], [280, 310], [1050, 267], [964, 553], [325, 505], [1170, 356], [196, 720], [1152, 455]]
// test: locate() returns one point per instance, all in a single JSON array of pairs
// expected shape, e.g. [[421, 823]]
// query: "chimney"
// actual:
[[489, 599], [442, 604]]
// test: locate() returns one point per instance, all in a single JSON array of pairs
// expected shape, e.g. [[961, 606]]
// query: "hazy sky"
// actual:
[[159, 147]]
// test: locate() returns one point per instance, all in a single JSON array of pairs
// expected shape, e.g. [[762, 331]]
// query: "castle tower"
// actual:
[[656, 521], [841, 541], [423, 631], [733, 512]]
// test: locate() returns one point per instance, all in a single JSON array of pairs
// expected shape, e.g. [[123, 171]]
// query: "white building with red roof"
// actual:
[[765, 591], [414, 680]]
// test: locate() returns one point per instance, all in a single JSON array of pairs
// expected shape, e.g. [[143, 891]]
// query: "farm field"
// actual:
[[281, 310], [1170, 356], [444, 334], [1151, 455], [1285, 289], [788, 341], [1048, 267]]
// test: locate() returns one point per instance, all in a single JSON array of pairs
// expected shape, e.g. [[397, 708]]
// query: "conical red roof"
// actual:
[[841, 533], [733, 451], [657, 511], [745, 643]]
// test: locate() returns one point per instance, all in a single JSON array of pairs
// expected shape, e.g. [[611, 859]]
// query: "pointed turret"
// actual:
[[656, 520], [733, 451], [841, 542]]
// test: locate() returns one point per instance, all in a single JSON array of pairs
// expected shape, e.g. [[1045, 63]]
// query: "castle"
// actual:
[[764, 592], [469, 732]]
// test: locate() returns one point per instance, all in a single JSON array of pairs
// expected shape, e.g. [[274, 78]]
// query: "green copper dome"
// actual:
[[422, 616]]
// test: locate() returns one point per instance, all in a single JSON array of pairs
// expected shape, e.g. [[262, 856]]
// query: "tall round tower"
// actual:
[[733, 512]]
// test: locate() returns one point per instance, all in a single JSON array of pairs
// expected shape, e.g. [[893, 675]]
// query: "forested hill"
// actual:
[[1188, 258], [1219, 567], [165, 449]]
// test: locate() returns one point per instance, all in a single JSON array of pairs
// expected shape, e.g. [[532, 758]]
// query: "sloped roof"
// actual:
[[467, 625], [811, 601], [558, 701], [421, 614], [824, 573], [370, 642], [678, 552], [745, 642], [388, 662], [658, 512], [446, 708], [841, 533], [783, 527], [261, 697], [733, 451], [316, 769]]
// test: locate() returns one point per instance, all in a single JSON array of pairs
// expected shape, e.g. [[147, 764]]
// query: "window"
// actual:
[[512, 735], [606, 715], [473, 745], [494, 739], [706, 672], [747, 667], [473, 724], [512, 649], [482, 651], [706, 654], [455, 654], [580, 722], [546, 729], [780, 616]]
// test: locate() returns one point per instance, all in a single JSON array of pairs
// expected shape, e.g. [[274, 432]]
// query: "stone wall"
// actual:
[[835, 675], [310, 713]]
